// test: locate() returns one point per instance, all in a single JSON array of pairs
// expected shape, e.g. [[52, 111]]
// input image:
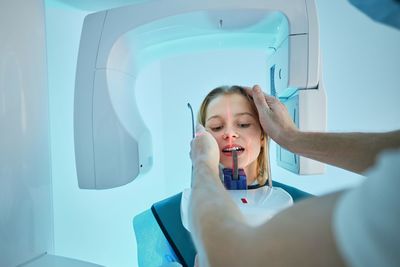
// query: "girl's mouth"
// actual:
[[227, 151]]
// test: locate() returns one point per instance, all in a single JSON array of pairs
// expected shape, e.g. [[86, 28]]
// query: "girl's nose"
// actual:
[[230, 133]]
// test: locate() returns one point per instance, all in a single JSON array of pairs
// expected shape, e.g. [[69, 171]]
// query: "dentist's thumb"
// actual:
[[200, 130]]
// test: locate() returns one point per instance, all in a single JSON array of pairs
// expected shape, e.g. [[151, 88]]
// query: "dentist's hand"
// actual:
[[204, 148], [274, 117]]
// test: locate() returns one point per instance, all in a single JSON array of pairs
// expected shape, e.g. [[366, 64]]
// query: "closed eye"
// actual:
[[216, 129], [244, 125]]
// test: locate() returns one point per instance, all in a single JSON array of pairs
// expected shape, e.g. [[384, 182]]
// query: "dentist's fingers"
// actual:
[[260, 99], [204, 145], [200, 130], [274, 117], [264, 110]]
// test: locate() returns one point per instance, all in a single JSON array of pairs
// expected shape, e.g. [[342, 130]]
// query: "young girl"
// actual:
[[230, 115]]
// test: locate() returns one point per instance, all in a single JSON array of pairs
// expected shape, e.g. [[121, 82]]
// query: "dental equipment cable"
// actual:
[[193, 136], [191, 111]]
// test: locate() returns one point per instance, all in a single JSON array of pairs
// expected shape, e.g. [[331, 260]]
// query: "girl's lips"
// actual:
[[227, 150], [229, 154]]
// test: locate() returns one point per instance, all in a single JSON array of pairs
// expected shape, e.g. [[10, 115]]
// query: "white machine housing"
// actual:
[[112, 143]]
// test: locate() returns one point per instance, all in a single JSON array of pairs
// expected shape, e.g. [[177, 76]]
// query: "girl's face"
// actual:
[[233, 123]]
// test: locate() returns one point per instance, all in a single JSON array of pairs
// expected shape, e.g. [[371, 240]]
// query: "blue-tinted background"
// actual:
[[361, 77]]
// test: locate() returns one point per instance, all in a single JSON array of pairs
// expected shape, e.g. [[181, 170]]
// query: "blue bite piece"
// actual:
[[234, 184]]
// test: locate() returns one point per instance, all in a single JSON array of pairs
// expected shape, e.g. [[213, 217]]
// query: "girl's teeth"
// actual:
[[232, 149]]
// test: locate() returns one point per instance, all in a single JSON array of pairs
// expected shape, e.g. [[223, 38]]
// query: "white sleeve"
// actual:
[[367, 218]]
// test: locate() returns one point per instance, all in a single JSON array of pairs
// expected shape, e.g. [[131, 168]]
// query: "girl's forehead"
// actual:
[[228, 105]]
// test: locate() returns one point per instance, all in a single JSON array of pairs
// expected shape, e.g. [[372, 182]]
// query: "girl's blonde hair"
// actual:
[[263, 163]]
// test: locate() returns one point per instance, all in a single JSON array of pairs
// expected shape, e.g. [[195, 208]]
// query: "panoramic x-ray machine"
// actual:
[[112, 143]]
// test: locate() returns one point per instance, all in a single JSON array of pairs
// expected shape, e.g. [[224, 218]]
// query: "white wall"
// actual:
[[360, 72], [26, 218]]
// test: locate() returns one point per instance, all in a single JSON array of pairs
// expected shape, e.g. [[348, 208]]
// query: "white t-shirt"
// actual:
[[367, 218]]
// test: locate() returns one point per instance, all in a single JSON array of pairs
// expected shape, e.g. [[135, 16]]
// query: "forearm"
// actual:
[[301, 236], [351, 151], [303, 230], [213, 216]]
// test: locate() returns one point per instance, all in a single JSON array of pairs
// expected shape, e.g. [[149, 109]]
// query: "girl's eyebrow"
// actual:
[[236, 115], [244, 113], [214, 117]]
